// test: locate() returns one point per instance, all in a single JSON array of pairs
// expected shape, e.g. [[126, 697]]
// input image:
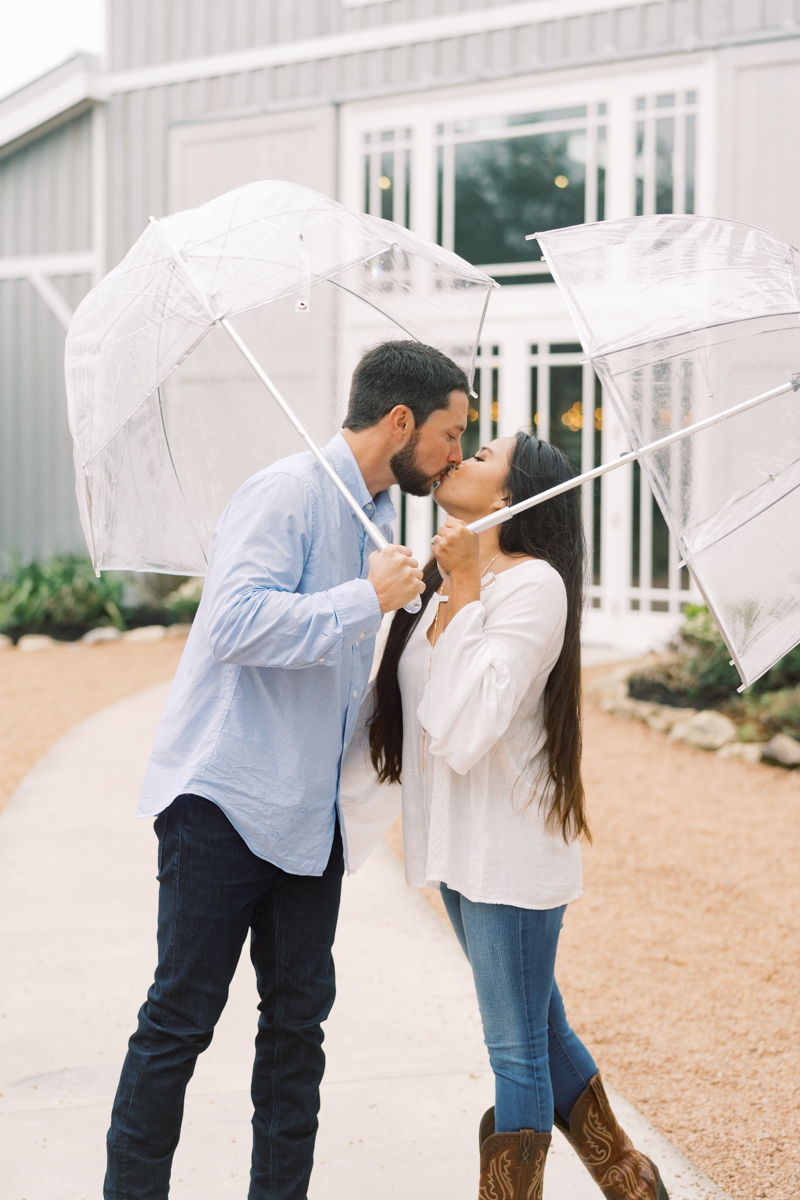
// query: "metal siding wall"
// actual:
[[45, 193], [38, 512]]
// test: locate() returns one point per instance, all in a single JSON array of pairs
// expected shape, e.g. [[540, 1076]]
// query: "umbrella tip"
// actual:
[[151, 219]]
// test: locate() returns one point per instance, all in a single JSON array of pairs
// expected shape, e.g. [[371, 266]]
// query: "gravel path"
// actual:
[[681, 964], [47, 692]]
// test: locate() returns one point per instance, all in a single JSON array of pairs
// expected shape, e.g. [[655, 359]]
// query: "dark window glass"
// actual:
[[566, 411], [471, 437], [534, 394], [386, 184], [639, 168], [665, 145], [565, 348], [688, 203], [507, 189], [601, 173], [439, 195], [665, 101], [637, 528], [660, 549], [495, 400], [407, 204]]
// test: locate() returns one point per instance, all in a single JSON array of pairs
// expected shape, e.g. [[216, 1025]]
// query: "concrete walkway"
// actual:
[[407, 1074]]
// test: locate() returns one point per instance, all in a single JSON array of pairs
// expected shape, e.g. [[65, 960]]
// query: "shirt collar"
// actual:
[[380, 510]]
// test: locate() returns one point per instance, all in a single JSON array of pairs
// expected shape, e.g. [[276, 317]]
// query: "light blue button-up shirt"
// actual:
[[269, 686]]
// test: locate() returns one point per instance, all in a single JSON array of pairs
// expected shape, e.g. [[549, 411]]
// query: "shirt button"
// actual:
[[354, 695], [361, 635], [321, 660]]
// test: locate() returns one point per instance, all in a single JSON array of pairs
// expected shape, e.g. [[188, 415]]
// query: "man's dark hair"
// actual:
[[409, 373]]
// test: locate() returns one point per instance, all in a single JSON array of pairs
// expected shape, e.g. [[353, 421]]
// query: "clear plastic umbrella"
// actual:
[[272, 286], [693, 326]]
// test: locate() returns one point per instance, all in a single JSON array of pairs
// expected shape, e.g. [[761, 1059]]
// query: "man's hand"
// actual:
[[396, 577]]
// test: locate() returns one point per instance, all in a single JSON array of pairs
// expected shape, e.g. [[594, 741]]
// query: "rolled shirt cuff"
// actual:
[[357, 609]]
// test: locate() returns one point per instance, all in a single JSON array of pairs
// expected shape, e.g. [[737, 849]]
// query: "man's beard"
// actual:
[[406, 469]]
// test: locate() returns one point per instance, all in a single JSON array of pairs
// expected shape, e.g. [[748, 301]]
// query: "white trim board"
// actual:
[[78, 262], [69, 94], [381, 37]]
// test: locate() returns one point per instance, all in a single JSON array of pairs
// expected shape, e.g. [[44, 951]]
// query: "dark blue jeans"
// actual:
[[213, 890], [537, 1059]]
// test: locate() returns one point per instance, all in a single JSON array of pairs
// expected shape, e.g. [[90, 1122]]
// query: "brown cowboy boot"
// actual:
[[604, 1148], [620, 1171], [512, 1165]]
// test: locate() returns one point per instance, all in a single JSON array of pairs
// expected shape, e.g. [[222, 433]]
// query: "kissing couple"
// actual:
[[273, 751]]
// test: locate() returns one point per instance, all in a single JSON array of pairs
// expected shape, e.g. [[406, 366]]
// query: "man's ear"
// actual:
[[401, 423]]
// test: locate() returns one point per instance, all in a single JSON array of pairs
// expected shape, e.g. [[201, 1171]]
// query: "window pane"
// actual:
[[565, 348], [507, 189], [665, 144], [639, 168], [601, 174], [407, 205], [386, 184], [495, 400], [566, 411], [471, 437], [367, 161], [660, 548], [439, 195], [534, 397], [688, 204], [636, 532]]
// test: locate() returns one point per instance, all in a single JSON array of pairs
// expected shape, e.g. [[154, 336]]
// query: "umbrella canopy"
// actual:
[[168, 418], [683, 317]]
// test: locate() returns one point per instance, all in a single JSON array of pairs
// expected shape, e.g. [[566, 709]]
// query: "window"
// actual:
[[387, 175], [665, 135], [501, 178]]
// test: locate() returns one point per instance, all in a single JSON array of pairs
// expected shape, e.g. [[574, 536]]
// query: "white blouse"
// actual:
[[472, 806]]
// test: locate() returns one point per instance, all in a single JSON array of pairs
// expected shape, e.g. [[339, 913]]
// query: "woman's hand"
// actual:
[[457, 551]]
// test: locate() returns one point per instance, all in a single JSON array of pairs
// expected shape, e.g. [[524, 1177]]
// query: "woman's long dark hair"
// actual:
[[552, 531]]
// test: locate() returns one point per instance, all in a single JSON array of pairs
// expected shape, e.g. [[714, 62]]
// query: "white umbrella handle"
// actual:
[[505, 514]]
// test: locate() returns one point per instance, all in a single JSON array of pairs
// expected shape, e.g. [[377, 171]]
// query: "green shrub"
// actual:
[[183, 603], [62, 591], [699, 672], [774, 712]]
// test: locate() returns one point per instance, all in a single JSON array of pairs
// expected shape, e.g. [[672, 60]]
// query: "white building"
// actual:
[[472, 122]]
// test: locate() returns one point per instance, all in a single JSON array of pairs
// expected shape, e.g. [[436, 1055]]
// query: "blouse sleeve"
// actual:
[[484, 664]]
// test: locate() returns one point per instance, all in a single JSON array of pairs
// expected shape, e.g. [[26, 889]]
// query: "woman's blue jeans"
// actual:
[[537, 1059]]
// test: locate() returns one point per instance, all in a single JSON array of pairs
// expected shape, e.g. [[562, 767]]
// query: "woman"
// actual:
[[477, 711]]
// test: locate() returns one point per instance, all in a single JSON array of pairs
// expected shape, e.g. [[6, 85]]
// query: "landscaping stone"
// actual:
[[745, 751], [148, 633], [35, 641], [103, 633], [666, 717], [6, 643], [783, 750], [707, 730]]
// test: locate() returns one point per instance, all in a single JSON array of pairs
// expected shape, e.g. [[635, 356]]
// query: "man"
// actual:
[[244, 772]]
